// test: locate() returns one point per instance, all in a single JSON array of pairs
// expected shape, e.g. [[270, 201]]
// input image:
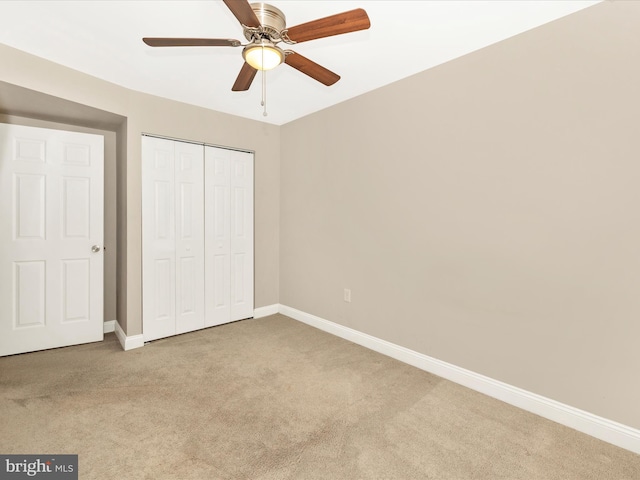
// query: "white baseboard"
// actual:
[[266, 311], [136, 341], [109, 326], [612, 432], [130, 342]]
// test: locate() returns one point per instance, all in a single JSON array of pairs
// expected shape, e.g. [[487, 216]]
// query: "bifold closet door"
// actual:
[[172, 237], [228, 235]]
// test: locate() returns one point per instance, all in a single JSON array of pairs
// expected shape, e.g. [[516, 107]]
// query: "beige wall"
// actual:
[[485, 212], [147, 114]]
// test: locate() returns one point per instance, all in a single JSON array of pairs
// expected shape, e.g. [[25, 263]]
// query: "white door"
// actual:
[[51, 234], [217, 163], [241, 235], [158, 239], [228, 235], [189, 183], [172, 237]]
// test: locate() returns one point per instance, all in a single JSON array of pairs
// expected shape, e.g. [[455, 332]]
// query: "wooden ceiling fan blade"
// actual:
[[243, 12], [338, 24], [191, 42], [312, 69], [245, 77]]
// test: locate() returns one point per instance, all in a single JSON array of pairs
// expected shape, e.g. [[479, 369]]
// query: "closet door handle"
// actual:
[[95, 248]]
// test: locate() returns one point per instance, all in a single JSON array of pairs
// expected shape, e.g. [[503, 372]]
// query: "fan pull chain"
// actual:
[[264, 88], [264, 92]]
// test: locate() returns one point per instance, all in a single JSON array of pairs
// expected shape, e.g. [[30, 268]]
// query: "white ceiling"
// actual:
[[103, 39]]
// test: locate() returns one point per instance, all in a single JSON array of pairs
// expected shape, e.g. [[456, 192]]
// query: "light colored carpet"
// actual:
[[276, 399]]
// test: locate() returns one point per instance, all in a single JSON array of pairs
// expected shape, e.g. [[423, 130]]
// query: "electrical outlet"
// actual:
[[347, 295]]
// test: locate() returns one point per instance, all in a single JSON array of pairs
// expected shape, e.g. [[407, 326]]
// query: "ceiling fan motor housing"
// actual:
[[271, 18]]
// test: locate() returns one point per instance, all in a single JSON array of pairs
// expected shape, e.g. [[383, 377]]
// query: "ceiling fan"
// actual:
[[264, 27]]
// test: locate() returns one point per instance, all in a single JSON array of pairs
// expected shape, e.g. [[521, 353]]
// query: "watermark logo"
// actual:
[[46, 467]]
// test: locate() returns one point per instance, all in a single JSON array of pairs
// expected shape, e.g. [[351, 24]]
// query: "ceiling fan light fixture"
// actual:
[[263, 55]]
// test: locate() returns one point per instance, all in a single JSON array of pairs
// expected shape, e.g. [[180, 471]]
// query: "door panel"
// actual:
[[51, 214], [164, 289], [217, 236], [173, 237], [28, 207], [29, 283], [75, 290], [239, 287], [76, 199], [158, 238], [229, 235], [241, 184], [189, 236]]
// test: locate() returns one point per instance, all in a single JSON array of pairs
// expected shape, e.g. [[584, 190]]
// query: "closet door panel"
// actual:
[[158, 238], [217, 235], [189, 171], [241, 210]]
